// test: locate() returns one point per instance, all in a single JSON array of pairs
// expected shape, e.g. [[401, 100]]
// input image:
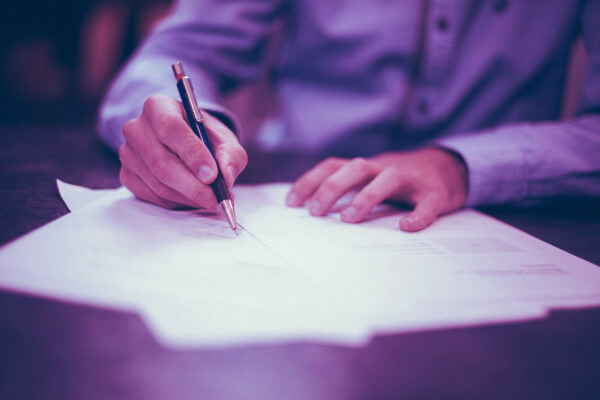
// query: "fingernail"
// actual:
[[292, 199], [349, 213], [205, 173], [314, 206], [407, 223]]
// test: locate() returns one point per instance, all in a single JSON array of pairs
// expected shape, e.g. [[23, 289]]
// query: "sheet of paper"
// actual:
[[189, 329], [76, 197], [178, 269], [452, 236], [464, 260], [288, 276]]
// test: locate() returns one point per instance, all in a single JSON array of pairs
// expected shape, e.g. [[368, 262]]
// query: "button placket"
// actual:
[[500, 6], [422, 106], [442, 24], [441, 36]]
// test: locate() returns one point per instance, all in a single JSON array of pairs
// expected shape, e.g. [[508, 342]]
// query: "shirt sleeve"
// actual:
[[219, 43], [526, 162]]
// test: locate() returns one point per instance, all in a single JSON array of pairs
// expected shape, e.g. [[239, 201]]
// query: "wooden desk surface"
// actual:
[[57, 350]]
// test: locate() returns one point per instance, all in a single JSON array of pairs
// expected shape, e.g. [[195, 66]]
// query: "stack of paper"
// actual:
[[287, 275]]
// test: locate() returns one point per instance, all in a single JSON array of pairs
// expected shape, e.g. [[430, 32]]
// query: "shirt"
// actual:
[[355, 78]]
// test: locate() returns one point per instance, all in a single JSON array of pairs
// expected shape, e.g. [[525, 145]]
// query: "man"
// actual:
[[438, 103]]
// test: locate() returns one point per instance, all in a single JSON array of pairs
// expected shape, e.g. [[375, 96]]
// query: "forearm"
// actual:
[[146, 75], [523, 162], [218, 42]]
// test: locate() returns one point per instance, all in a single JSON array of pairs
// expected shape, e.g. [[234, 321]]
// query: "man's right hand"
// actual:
[[163, 162]]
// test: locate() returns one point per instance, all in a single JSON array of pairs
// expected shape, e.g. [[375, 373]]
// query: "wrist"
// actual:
[[455, 168]]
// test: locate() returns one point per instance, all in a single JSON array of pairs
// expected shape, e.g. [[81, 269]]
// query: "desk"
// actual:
[[57, 350]]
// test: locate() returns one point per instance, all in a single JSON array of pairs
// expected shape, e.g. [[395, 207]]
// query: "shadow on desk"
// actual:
[[54, 350]]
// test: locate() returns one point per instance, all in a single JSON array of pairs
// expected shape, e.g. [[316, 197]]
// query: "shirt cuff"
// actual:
[[496, 166]]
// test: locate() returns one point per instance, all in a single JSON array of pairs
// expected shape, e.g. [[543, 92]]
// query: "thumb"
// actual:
[[425, 212]]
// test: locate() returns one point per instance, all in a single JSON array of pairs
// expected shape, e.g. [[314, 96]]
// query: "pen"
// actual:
[[184, 85]]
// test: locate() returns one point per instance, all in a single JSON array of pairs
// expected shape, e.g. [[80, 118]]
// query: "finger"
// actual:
[[308, 183], [231, 156], [386, 184], [425, 212], [139, 189], [232, 159], [131, 161], [168, 121], [354, 173], [166, 166]]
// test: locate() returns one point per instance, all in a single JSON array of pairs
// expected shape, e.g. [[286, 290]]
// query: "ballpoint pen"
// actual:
[[184, 85]]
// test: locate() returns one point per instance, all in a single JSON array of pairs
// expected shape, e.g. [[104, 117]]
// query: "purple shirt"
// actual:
[[357, 77]]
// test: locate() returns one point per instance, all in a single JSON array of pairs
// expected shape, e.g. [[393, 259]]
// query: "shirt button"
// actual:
[[442, 24], [500, 6], [422, 106]]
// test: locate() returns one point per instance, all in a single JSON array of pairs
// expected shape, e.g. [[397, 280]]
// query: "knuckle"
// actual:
[[330, 187], [305, 186], [122, 154], [190, 155], [366, 198], [224, 155], [301, 187], [161, 168], [439, 196], [166, 125], [360, 163], [332, 162], [130, 129], [242, 156], [394, 175], [153, 103], [415, 176], [235, 156]]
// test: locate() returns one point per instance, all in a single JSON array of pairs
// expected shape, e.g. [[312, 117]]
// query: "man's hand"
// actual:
[[163, 162], [433, 180]]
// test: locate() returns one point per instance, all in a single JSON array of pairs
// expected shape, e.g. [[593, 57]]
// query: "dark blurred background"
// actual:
[[57, 57]]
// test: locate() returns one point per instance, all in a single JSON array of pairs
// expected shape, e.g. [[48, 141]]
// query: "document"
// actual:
[[287, 276], [464, 262]]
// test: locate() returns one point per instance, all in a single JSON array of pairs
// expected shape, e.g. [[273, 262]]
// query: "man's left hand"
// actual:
[[433, 180]]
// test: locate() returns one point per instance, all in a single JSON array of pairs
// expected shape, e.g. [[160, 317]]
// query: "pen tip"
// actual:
[[227, 206]]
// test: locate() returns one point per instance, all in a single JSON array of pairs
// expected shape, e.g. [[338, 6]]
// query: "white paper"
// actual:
[[464, 260], [76, 197], [287, 275], [179, 270]]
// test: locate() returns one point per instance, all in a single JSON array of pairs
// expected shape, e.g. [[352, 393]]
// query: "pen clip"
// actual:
[[191, 98], [188, 91]]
